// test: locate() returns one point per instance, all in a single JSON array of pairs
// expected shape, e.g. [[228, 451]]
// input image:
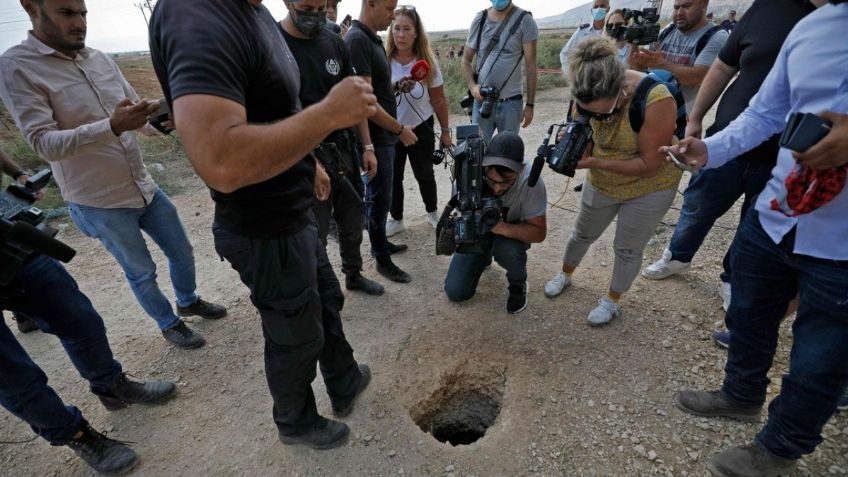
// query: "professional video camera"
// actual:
[[330, 158], [472, 212], [644, 30], [563, 156], [22, 228]]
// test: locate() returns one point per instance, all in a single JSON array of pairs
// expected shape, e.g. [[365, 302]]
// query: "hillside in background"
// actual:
[[580, 14]]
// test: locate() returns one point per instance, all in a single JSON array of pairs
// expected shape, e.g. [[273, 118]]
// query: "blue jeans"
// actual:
[[120, 232], [378, 200], [709, 196], [766, 277], [46, 292], [505, 117], [465, 268]]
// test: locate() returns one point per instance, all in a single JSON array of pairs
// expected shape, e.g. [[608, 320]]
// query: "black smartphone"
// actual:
[[347, 20], [803, 131]]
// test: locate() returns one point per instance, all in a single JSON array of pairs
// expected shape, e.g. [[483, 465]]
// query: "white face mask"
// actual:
[[599, 14]]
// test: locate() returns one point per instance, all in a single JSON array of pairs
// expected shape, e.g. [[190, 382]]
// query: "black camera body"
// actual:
[[472, 211], [490, 97], [644, 30], [563, 156], [22, 228]]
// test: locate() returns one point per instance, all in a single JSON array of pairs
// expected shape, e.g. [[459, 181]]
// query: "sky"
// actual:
[[118, 25]]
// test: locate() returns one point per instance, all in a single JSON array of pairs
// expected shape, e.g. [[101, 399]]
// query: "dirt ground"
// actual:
[[559, 397]]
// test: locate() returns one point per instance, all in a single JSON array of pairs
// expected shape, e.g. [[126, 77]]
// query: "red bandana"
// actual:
[[808, 189]]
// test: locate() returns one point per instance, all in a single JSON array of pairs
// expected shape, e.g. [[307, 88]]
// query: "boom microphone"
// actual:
[[536, 170], [420, 70]]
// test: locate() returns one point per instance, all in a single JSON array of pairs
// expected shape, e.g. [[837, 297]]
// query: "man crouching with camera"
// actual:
[[522, 223]]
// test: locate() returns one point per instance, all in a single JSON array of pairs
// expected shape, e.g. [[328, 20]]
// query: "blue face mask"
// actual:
[[500, 5], [599, 14]]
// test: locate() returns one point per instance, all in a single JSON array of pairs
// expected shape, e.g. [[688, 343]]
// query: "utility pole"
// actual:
[[146, 7]]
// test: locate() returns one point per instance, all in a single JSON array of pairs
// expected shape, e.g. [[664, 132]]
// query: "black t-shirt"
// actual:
[[369, 59], [230, 49], [323, 62], [752, 47]]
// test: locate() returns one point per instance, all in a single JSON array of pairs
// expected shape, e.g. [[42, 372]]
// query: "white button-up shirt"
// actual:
[[62, 106]]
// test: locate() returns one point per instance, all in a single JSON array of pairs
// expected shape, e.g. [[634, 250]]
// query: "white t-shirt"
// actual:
[[414, 107]]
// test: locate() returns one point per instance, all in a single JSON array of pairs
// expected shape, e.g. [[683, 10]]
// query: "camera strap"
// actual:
[[512, 31], [493, 41]]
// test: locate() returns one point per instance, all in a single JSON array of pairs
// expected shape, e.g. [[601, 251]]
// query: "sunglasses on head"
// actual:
[[405, 8]]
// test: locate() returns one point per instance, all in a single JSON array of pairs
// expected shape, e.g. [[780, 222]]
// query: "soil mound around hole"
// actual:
[[466, 403]]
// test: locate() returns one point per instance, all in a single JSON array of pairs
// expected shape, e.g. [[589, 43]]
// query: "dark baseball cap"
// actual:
[[507, 150]]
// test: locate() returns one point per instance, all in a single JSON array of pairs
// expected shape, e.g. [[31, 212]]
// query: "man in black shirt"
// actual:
[[233, 85], [369, 61], [323, 61], [750, 50]]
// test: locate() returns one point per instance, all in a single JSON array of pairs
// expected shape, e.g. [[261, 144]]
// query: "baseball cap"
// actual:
[[507, 150]]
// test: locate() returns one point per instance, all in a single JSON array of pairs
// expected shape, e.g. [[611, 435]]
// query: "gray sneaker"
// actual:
[[712, 404], [749, 461]]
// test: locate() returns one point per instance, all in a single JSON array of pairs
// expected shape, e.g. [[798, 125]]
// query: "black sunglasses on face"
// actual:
[[599, 116]]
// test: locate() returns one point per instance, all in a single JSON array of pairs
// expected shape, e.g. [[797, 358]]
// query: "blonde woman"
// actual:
[[628, 179], [408, 43]]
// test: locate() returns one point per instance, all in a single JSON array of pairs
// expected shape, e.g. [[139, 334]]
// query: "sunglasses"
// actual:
[[405, 8], [600, 116]]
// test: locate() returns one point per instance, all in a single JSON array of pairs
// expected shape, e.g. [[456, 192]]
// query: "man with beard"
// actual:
[[77, 111], [506, 176]]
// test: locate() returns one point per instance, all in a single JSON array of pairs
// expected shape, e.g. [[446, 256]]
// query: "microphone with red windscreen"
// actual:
[[420, 70]]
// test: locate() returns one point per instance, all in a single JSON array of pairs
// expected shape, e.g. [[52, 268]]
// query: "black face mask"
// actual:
[[310, 23]]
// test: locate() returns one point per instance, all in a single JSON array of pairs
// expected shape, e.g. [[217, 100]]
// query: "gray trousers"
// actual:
[[637, 220]]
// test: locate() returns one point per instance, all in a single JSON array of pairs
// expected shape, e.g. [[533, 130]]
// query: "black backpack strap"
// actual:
[[705, 38], [480, 28], [637, 104], [666, 31]]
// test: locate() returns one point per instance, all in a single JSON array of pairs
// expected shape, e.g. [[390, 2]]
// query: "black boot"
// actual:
[[344, 408], [104, 455], [124, 392], [388, 269], [203, 309], [356, 282], [24, 322], [324, 434], [183, 336]]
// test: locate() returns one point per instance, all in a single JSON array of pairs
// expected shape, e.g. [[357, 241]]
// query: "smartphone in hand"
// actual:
[[682, 165], [347, 20]]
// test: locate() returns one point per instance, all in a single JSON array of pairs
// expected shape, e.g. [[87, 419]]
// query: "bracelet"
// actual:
[[369, 147], [446, 130], [20, 173], [400, 131], [529, 105]]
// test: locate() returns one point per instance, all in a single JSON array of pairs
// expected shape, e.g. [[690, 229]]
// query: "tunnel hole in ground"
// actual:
[[462, 409]]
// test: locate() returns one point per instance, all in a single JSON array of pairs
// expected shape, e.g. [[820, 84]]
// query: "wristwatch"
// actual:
[[20, 173], [400, 131]]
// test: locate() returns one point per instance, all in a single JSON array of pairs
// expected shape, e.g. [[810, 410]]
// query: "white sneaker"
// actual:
[[557, 284], [665, 267], [724, 293], [394, 227], [604, 312], [433, 218]]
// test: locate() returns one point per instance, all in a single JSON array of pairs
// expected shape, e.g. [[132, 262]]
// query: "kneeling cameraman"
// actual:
[[523, 223]]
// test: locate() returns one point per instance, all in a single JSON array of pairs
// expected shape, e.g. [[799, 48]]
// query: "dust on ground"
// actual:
[[559, 397]]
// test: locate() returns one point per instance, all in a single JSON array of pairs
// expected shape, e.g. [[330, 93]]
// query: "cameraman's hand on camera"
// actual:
[[369, 164], [349, 102], [475, 91], [129, 116], [588, 162], [407, 137], [322, 182], [499, 228], [22, 180], [832, 151], [691, 151], [527, 116]]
